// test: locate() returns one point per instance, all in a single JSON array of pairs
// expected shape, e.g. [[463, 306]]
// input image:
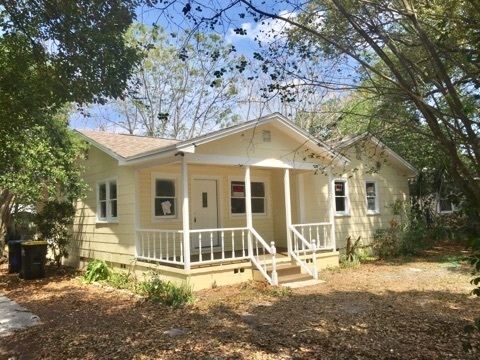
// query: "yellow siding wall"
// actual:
[[392, 186], [109, 241]]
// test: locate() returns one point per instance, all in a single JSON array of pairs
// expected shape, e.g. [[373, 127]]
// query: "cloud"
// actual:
[[266, 31]]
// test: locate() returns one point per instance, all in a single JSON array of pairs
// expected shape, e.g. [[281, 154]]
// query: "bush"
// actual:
[[97, 270], [407, 233], [53, 225], [165, 292]]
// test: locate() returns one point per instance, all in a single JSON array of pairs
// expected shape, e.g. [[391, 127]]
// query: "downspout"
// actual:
[[331, 208], [185, 215]]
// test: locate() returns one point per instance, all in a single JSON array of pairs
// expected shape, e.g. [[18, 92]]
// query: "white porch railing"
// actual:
[[306, 240], [218, 245], [208, 246], [160, 245]]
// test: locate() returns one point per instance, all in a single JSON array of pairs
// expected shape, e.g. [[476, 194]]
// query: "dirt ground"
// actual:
[[402, 309]]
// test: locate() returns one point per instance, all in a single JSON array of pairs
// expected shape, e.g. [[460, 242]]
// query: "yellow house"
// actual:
[[263, 199]]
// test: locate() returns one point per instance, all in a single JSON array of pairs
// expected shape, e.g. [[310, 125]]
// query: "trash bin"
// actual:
[[14, 256], [34, 257]]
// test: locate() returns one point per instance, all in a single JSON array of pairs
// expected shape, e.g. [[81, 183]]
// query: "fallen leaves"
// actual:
[[375, 311]]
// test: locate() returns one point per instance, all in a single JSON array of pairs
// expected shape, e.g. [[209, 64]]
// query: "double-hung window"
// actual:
[[165, 200], [341, 197], [238, 196], [372, 197], [107, 202]]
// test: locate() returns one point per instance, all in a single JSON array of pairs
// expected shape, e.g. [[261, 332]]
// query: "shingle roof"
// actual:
[[125, 145]]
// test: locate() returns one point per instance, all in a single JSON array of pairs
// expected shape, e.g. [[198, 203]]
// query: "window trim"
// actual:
[[108, 207], [177, 197], [377, 202], [266, 184], [347, 198]]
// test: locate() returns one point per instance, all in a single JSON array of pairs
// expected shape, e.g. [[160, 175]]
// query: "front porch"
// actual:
[[211, 209], [238, 248]]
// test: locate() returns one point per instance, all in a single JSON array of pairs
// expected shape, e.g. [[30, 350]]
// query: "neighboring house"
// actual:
[[229, 206]]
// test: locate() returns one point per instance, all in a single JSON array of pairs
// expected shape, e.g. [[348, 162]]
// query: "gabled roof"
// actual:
[[342, 143], [125, 146], [132, 149]]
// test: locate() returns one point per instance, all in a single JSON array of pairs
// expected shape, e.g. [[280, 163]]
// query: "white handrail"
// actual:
[[271, 249], [312, 272]]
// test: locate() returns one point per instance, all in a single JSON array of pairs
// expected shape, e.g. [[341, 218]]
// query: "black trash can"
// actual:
[[14, 256], [34, 257]]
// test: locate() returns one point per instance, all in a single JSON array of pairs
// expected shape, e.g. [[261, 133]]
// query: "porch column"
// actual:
[[136, 218], [248, 208], [185, 216], [331, 207], [288, 208]]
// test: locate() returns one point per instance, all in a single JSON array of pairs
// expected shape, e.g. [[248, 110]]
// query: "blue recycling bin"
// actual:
[[34, 258], [14, 256]]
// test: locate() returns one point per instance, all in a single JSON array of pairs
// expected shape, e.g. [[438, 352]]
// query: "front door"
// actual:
[[205, 212]]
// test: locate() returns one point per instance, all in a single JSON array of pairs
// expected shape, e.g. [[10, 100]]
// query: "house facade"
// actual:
[[229, 206]]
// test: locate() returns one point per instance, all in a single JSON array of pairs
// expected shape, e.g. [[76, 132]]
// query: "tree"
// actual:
[[422, 54], [51, 54], [185, 85]]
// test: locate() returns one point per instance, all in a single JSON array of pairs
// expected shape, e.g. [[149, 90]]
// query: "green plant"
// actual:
[[53, 225], [165, 292], [470, 329], [407, 233], [120, 280], [279, 291], [97, 270]]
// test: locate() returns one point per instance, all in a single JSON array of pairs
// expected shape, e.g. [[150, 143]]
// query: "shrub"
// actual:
[[165, 292], [97, 270], [407, 233], [53, 225]]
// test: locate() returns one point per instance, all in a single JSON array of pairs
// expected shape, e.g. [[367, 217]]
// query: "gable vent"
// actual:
[[267, 135]]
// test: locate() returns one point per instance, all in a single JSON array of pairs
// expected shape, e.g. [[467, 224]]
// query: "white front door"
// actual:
[[205, 212]]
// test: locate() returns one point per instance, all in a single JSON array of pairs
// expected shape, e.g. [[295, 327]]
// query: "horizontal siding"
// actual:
[[108, 241]]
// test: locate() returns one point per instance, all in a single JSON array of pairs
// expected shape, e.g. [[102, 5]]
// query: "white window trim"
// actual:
[[263, 179], [108, 218], [347, 198], [178, 196], [377, 202]]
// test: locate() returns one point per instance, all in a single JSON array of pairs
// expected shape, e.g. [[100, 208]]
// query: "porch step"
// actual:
[[291, 275], [285, 279]]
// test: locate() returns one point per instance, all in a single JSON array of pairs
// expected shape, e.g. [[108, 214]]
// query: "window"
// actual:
[[237, 197], [372, 197], [445, 206], [165, 198], [341, 197], [107, 204]]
